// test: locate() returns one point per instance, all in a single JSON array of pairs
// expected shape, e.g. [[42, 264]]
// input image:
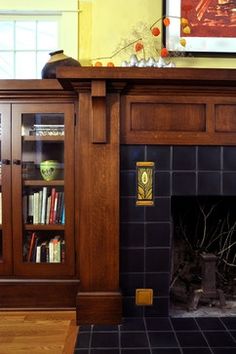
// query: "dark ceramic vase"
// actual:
[[58, 58]]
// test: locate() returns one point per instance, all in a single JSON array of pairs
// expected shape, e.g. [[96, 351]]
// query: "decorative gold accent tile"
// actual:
[[144, 297], [145, 183]]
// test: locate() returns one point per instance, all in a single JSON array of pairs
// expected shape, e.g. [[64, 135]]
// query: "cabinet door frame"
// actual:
[[43, 270], [6, 267]]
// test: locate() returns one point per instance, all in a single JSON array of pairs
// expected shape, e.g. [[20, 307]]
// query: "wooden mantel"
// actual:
[[162, 105], [169, 106], [147, 74]]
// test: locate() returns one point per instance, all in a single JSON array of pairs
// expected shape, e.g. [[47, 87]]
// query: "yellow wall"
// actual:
[[104, 23], [68, 18]]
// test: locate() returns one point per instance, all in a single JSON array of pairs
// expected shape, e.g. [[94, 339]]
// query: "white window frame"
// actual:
[[65, 11]]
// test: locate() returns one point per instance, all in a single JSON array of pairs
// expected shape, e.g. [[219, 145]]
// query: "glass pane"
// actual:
[[47, 35], [43, 187], [42, 58], [7, 35], [25, 35], [6, 65], [25, 65]]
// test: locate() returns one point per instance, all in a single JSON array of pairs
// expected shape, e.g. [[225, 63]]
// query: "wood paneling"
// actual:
[[97, 217], [225, 118], [175, 117], [99, 308], [38, 294], [99, 201]]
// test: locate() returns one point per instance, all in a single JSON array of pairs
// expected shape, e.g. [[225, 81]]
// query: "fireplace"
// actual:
[[184, 176], [182, 119], [203, 267]]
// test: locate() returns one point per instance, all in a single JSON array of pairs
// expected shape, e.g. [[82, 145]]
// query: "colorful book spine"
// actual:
[[53, 195], [44, 205]]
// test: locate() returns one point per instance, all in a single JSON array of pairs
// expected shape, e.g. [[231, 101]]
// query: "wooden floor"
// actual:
[[37, 332]]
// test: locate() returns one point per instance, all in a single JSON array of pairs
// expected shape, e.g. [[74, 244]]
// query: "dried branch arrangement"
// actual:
[[144, 46], [206, 225]]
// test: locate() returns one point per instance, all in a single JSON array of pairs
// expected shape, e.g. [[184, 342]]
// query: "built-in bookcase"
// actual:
[[0, 194], [40, 167]]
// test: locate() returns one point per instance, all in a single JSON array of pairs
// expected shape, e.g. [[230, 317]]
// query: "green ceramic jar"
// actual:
[[49, 169]]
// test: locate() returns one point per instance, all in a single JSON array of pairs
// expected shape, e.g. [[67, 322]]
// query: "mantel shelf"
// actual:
[[187, 75]]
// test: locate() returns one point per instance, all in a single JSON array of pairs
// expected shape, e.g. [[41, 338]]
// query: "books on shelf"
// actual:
[[46, 206], [47, 130], [39, 250]]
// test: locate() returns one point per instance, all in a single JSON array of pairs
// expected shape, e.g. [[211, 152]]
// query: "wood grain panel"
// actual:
[[225, 118], [168, 117], [98, 203], [38, 294], [99, 308]]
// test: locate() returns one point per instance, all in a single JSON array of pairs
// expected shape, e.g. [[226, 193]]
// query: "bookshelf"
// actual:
[[52, 139], [42, 120], [37, 238]]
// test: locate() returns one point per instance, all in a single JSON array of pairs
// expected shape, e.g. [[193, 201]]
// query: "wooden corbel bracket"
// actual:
[[99, 119]]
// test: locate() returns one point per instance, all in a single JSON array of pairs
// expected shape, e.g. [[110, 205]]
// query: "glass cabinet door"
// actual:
[[43, 186], [5, 191]]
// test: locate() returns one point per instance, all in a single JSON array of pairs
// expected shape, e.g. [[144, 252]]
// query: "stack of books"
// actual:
[[45, 206], [39, 250]]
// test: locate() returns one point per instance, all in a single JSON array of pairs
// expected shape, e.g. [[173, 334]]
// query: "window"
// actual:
[[24, 46], [30, 30]]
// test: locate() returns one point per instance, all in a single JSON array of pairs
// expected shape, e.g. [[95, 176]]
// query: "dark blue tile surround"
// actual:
[[145, 246], [146, 231]]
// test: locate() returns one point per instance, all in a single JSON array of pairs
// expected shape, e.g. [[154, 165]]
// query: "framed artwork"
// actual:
[[201, 27]]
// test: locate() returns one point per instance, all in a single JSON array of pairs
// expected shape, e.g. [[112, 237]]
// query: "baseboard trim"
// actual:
[[38, 295], [98, 308]]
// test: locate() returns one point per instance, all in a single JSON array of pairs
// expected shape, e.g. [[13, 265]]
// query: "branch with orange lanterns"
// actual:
[[138, 46]]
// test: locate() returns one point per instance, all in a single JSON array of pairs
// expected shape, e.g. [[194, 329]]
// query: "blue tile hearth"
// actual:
[[160, 335]]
